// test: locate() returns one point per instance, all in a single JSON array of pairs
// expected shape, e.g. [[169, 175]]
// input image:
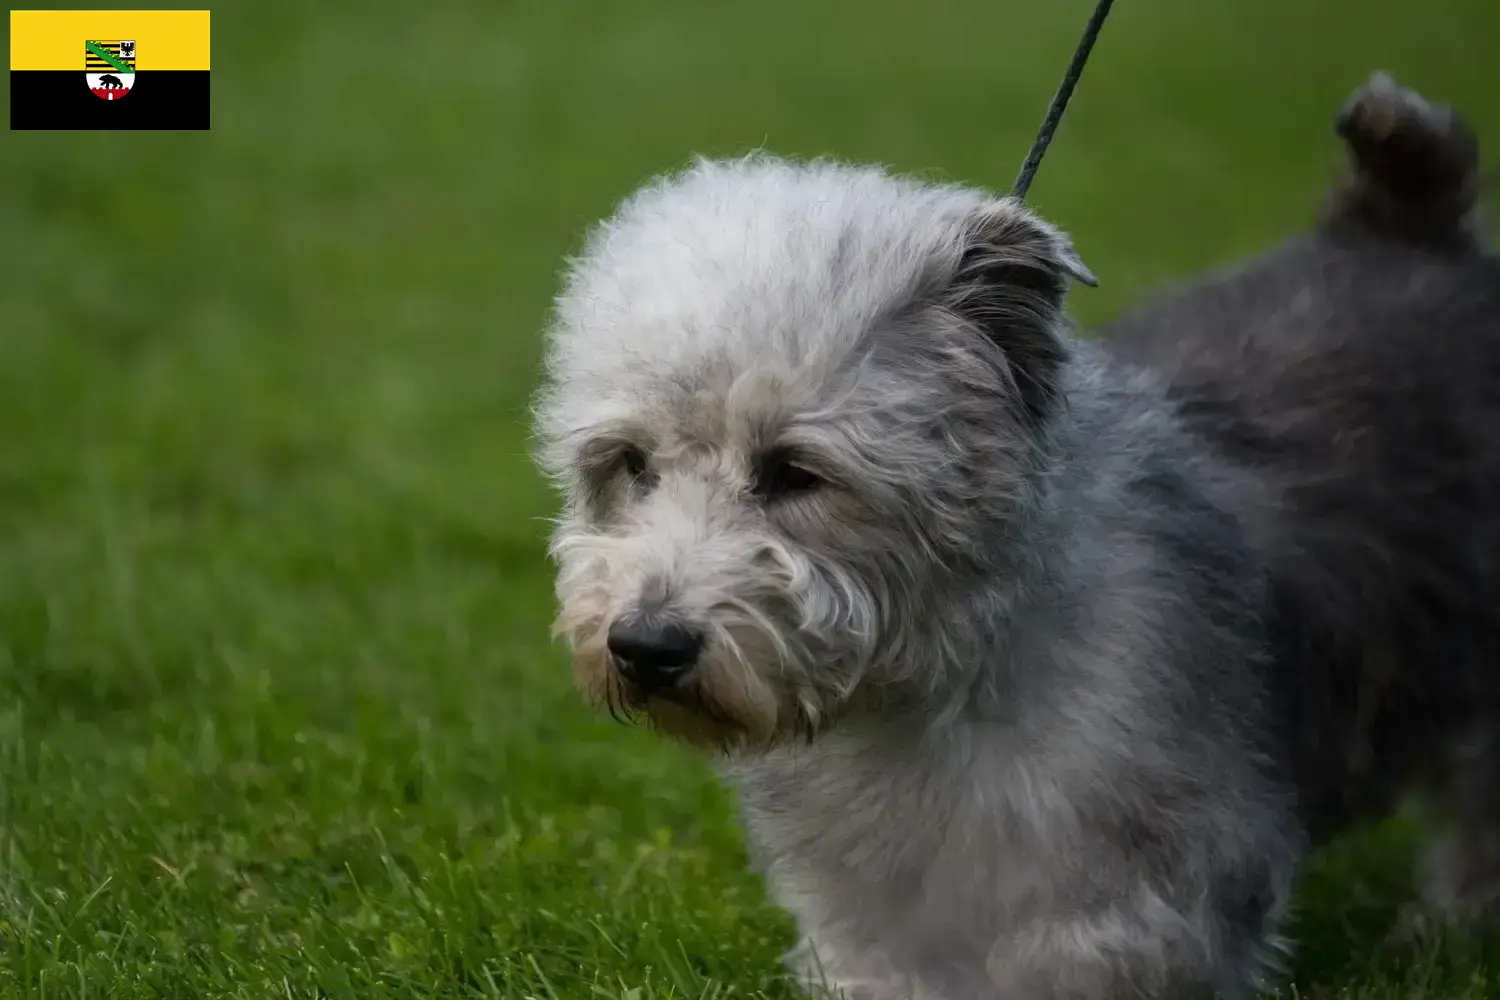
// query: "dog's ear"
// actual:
[[1010, 280]]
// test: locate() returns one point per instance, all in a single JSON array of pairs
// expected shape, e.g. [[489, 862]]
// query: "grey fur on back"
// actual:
[[1039, 663], [1356, 371]]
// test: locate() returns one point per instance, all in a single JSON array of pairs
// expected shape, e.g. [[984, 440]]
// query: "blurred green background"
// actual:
[[280, 715]]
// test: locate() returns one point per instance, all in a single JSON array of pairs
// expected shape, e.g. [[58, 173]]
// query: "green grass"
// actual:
[[278, 711]]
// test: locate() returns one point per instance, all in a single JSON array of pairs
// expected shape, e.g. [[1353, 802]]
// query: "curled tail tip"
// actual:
[[1414, 164]]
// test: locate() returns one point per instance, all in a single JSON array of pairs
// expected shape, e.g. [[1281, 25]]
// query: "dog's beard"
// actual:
[[754, 686], [745, 693]]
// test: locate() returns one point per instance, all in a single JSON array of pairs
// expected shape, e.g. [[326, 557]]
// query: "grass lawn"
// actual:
[[280, 716]]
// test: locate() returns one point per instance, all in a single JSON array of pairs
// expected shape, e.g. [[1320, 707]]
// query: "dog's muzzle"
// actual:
[[653, 655]]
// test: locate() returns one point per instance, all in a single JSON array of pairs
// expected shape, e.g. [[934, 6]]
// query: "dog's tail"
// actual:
[[1414, 168]]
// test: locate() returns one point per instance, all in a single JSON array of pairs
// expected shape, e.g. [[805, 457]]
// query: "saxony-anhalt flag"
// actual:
[[109, 69]]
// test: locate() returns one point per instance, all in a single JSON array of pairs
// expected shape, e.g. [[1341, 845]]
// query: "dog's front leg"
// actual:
[[1141, 946]]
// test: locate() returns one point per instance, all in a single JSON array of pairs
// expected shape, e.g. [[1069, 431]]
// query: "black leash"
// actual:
[[1060, 100]]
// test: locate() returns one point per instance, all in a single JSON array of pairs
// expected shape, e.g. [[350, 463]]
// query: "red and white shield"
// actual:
[[110, 86], [109, 67]]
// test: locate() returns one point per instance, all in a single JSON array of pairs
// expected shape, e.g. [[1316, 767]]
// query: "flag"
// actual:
[[109, 69]]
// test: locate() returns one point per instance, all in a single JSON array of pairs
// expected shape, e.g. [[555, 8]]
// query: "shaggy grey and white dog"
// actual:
[[1041, 663]]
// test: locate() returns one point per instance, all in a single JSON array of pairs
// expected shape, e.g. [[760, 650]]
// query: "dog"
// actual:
[[1040, 662]]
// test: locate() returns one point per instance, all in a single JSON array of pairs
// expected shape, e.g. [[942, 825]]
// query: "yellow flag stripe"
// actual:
[[53, 39]]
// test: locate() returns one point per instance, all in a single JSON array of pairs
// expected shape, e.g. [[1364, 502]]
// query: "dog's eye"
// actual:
[[779, 476], [634, 461]]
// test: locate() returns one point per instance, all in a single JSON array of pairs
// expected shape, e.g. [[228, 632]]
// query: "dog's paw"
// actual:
[[1416, 924], [1422, 922], [1404, 143]]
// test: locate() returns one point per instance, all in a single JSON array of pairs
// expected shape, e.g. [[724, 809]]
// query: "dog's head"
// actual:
[[791, 409]]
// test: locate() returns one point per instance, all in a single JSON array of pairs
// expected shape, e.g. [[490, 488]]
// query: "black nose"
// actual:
[[653, 654]]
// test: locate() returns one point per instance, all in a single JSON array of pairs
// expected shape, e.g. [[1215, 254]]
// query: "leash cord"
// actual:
[[1060, 100]]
